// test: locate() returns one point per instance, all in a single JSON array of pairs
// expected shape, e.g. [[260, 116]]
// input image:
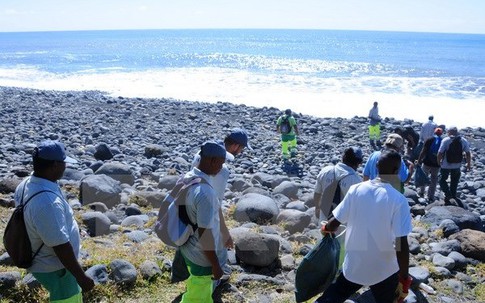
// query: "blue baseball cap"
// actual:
[[212, 149], [240, 136], [54, 151]]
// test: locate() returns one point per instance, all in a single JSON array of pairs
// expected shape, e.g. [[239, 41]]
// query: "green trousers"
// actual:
[[62, 286], [199, 285]]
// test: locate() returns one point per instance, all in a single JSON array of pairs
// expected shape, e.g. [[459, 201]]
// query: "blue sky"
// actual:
[[451, 16]]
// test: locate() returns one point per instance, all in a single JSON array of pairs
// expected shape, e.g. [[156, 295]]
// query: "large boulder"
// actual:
[[103, 152], [123, 272], [256, 208], [8, 185], [97, 223], [463, 218], [146, 198], [293, 220], [118, 171], [257, 249], [100, 188], [268, 180], [288, 189], [472, 243], [168, 182]]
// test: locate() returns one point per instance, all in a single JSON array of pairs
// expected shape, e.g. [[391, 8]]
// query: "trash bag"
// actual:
[[317, 269], [179, 271], [420, 177]]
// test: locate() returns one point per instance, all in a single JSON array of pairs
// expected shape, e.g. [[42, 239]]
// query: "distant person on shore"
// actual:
[[375, 127], [378, 220], [204, 253], [450, 157], [287, 126], [411, 137], [51, 227], [429, 159], [334, 181], [427, 129], [393, 142]]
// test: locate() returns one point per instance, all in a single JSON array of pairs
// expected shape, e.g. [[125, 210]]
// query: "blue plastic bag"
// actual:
[[317, 269], [420, 177]]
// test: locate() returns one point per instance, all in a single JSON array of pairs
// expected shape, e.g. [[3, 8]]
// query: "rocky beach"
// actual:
[[131, 151]]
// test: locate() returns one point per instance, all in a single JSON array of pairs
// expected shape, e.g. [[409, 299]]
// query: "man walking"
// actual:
[[51, 226], [393, 142], [427, 129], [335, 181], [450, 157], [376, 248], [375, 127], [204, 253], [286, 125], [429, 158]]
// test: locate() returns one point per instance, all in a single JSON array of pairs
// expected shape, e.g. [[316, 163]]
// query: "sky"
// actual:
[[449, 16]]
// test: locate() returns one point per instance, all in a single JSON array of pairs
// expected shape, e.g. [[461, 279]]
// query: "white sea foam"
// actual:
[[323, 97]]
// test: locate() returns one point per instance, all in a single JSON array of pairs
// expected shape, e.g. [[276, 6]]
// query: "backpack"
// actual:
[[331, 193], [431, 157], [16, 239], [173, 225], [454, 154], [285, 125]]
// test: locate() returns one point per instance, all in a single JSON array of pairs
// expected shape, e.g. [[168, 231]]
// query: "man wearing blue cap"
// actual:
[[205, 252], [333, 182], [52, 230]]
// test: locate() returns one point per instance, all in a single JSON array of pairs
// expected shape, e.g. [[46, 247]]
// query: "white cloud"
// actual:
[[143, 8]]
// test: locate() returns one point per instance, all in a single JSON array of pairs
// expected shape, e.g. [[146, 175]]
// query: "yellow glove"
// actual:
[[403, 288]]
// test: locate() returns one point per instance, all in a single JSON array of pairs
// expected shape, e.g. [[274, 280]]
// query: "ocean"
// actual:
[[318, 72]]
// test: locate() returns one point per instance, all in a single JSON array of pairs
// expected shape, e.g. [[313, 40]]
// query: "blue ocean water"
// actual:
[[255, 67]]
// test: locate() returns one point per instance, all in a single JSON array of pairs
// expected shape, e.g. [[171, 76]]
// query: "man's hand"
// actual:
[[217, 272], [86, 283], [228, 242], [403, 288]]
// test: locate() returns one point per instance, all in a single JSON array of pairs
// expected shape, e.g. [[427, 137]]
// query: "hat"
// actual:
[[54, 151], [438, 131], [431, 117], [212, 149], [240, 136], [395, 140], [288, 112]]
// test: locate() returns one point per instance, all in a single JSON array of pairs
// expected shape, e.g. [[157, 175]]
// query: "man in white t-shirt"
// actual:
[[378, 221], [52, 230], [331, 177]]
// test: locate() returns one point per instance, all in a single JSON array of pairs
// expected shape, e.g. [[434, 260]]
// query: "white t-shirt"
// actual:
[[49, 219], [202, 207], [375, 214], [328, 174]]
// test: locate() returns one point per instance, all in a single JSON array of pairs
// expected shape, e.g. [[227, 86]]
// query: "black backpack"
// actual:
[[431, 157], [285, 126], [454, 154], [16, 239]]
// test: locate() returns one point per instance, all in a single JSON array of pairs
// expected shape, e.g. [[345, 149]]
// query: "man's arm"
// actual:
[[207, 241], [423, 153], [402, 254], [65, 253], [317, 197], [297, 132], [226, 236], [440, 158], [410, 171], [468, 157]]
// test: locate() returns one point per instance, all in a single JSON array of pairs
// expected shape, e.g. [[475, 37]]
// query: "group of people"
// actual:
[[376, 213], [439, 157]]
